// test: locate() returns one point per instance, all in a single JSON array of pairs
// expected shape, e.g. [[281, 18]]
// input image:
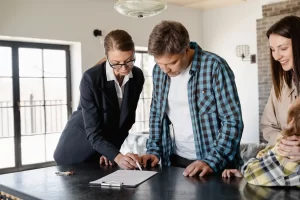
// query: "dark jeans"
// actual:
[[178, 161]]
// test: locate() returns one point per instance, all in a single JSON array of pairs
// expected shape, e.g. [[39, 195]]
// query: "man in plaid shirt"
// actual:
[[195, 115]]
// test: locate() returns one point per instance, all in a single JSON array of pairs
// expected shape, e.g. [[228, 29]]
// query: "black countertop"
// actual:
[[168, 184]]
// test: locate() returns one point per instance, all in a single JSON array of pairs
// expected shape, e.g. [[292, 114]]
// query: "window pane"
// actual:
[[56, 118], [32, 120], [51, 142], [7, 152], [33, 149], [6, 122], [5, 61], [148, 64], [54, 63], [146, 126], [138, 60], [6, 92], [147, 104], [31, 91], [55, 91], [147, 90], [139, 114], [30, 62]]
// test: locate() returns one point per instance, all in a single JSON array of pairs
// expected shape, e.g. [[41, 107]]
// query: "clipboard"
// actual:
[[126, 178]]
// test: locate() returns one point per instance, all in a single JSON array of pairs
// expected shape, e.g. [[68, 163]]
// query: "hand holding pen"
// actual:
[[137, 158], [128, 161]]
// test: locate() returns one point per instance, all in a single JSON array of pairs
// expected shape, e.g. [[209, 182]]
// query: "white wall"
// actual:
[[223, 30], [75, 20], [219, 30]]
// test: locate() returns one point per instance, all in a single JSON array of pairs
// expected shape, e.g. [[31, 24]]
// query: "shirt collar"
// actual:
[[196, 57], [110, 76]]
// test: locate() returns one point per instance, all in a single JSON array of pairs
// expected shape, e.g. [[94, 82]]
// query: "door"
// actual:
[[35, 102]]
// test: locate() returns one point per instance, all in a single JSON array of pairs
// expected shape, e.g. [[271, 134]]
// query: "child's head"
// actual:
[[293, 119]]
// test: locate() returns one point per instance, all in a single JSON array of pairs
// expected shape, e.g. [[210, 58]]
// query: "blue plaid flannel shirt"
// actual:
[[215, 112]]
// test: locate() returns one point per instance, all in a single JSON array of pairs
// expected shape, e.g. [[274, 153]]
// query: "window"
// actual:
[[35, 102], [146, 63]]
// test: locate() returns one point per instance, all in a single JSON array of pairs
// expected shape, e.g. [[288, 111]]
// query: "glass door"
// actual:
[[35, 102], [7, 146]]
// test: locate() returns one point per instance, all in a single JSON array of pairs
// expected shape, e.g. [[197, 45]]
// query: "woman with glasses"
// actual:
[[109, 94]]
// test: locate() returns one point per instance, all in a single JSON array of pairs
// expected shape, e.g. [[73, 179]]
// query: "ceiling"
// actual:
[[204, 4]]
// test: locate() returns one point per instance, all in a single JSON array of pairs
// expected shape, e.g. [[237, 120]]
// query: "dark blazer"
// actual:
[[99, 124]]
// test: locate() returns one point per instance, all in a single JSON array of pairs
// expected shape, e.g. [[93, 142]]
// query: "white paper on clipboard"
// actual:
[[127, 178]]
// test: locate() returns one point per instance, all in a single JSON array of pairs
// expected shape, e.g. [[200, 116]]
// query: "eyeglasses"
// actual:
[[129, 64]]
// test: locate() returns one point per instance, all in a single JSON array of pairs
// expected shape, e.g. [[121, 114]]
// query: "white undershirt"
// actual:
[[178, 112], [110, 76]]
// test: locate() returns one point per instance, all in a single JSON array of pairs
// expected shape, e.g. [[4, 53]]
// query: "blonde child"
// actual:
[[269, 168]]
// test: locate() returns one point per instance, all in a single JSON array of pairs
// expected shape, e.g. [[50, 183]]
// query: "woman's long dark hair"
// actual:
[[288, 27]]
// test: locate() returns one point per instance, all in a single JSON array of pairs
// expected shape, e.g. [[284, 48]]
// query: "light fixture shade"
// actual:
[[140, 8]]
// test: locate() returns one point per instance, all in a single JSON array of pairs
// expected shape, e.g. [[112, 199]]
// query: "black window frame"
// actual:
[[15, 45]]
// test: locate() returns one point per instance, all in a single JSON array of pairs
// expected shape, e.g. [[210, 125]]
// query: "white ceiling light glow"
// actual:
[[140, 8]]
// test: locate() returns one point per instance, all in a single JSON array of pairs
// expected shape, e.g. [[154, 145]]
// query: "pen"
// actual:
[[137, 163]]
